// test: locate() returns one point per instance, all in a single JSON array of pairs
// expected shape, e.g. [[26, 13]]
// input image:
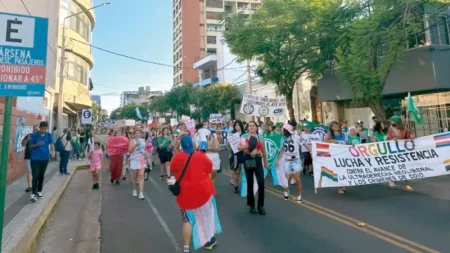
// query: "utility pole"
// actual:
[[249, 81]]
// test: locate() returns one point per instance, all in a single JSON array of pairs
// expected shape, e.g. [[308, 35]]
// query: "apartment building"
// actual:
[[140, 96], [196, 30]]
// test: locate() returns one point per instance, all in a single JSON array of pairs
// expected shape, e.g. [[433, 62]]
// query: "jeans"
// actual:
[[65, 155], [38, 168], [259, 174], [76, 152]]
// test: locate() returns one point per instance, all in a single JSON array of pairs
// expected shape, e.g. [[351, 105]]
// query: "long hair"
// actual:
[[332, 123], [256, 124], [377, 128], [400, 125], [241, 125]]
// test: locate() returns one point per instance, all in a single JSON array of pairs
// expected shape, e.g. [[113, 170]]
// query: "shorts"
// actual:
[[165, 156], [292, 166], [236, 160], [184, 216], [28, 163], [307, 159], [215, 159]]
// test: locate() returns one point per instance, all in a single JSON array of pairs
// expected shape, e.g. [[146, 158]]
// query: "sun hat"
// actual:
[[289, 128]]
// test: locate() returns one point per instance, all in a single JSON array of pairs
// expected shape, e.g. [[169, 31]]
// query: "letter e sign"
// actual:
[[16, 31]]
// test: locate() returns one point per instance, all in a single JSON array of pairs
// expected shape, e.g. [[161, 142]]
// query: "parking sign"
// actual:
[[23, 55]]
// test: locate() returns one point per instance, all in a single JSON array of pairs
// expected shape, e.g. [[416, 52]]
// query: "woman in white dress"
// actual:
[[137, 163]]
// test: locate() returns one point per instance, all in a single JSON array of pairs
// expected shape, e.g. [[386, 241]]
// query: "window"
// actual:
[[202, 24], [211, 40], [211, 15], [211, 51], [213, 27], [214, 3], [80, 23], [439, 30]]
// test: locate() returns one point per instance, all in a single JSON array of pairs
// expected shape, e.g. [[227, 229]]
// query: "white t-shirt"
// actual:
[[308, 138], [292, 146]]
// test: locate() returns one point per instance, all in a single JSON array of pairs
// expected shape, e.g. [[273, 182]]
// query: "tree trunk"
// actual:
[[378, 109], [290, 107]]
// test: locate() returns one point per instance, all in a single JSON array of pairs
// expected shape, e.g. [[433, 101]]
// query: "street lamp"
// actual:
[[62, 63]]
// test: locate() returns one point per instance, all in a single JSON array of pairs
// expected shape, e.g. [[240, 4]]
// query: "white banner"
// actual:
[[86, 116], [374, 163], [262, 106], [215, 118]]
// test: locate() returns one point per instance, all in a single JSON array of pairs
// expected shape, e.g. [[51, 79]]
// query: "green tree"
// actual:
[[216, 98], [129, 112], [179, 99], [284, 37], [159, 105], [373, 43]]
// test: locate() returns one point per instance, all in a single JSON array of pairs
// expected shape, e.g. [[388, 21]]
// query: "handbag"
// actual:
[[250, 163], [176, 188]]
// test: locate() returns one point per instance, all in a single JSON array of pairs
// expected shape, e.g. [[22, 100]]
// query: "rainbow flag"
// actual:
[[442, 140], [325, 172], [205, 223]]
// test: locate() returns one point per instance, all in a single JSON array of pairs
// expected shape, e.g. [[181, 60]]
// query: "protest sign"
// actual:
[[233, 140], [190, 126], [162, 120], [185, 118], [117, 145], [173, 122], [262, 106], [373, 163], [215, 118]]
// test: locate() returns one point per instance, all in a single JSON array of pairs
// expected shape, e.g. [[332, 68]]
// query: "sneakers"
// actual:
[[209, 245], [134, 193], [28, 189], [66, 174], [33, 198], [286, 195], [95, 186], [141, 196], [117, 182], [236, 189], [252, 210], [299, 199], [39, 195], [124, 178], [262, 211]]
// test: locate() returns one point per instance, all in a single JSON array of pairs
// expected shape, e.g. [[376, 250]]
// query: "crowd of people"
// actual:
[[189, 159]]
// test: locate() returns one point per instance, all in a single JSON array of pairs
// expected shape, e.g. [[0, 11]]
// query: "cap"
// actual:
[[289, 128], [395, 119], [278, 124]]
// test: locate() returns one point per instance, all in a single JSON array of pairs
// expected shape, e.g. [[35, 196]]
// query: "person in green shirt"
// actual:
[[353, 137], [268, 131], [277, 130], [378, 132], [165, 152], [75, 144]]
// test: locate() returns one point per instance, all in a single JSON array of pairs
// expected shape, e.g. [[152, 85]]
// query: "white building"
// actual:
[[140, 96]]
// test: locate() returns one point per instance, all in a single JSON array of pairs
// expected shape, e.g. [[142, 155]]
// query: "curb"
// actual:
[[28, 242]]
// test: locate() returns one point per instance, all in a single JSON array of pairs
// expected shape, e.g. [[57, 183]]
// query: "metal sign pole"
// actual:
[[4, 158]]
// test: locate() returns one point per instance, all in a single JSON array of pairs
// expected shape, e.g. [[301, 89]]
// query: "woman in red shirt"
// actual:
[[196, 198], [398, 131]]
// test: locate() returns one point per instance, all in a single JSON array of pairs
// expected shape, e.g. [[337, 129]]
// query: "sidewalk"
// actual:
[[23, 220], [78, 232]]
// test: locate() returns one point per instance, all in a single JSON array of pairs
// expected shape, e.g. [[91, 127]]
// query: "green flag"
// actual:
[[413, 112]]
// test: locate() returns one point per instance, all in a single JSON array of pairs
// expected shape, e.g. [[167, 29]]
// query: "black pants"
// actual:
[[259, 174], [38, 168]]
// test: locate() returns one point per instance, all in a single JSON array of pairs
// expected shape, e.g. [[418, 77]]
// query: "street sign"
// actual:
[[86, 116], [23, 55]]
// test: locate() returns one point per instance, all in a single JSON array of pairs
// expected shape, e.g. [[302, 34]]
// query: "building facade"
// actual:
[[140, 97], [29, 111], [422, 70], [79, 60], [196, 30], [97, 99]]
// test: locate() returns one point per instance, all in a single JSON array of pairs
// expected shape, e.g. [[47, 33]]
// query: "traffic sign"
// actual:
[[86, 116], [23, 55]]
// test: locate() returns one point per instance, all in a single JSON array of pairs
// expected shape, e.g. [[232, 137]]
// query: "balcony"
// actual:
[[207, 82], [209, 62]]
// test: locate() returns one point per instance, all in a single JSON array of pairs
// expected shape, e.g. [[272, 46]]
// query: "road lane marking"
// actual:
[[370, 229], [164, 225]]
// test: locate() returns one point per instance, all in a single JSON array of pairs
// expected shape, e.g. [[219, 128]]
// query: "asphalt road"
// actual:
[[394, 220]]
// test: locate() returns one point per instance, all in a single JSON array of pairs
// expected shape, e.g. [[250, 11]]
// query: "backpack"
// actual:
[[59, 146]]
